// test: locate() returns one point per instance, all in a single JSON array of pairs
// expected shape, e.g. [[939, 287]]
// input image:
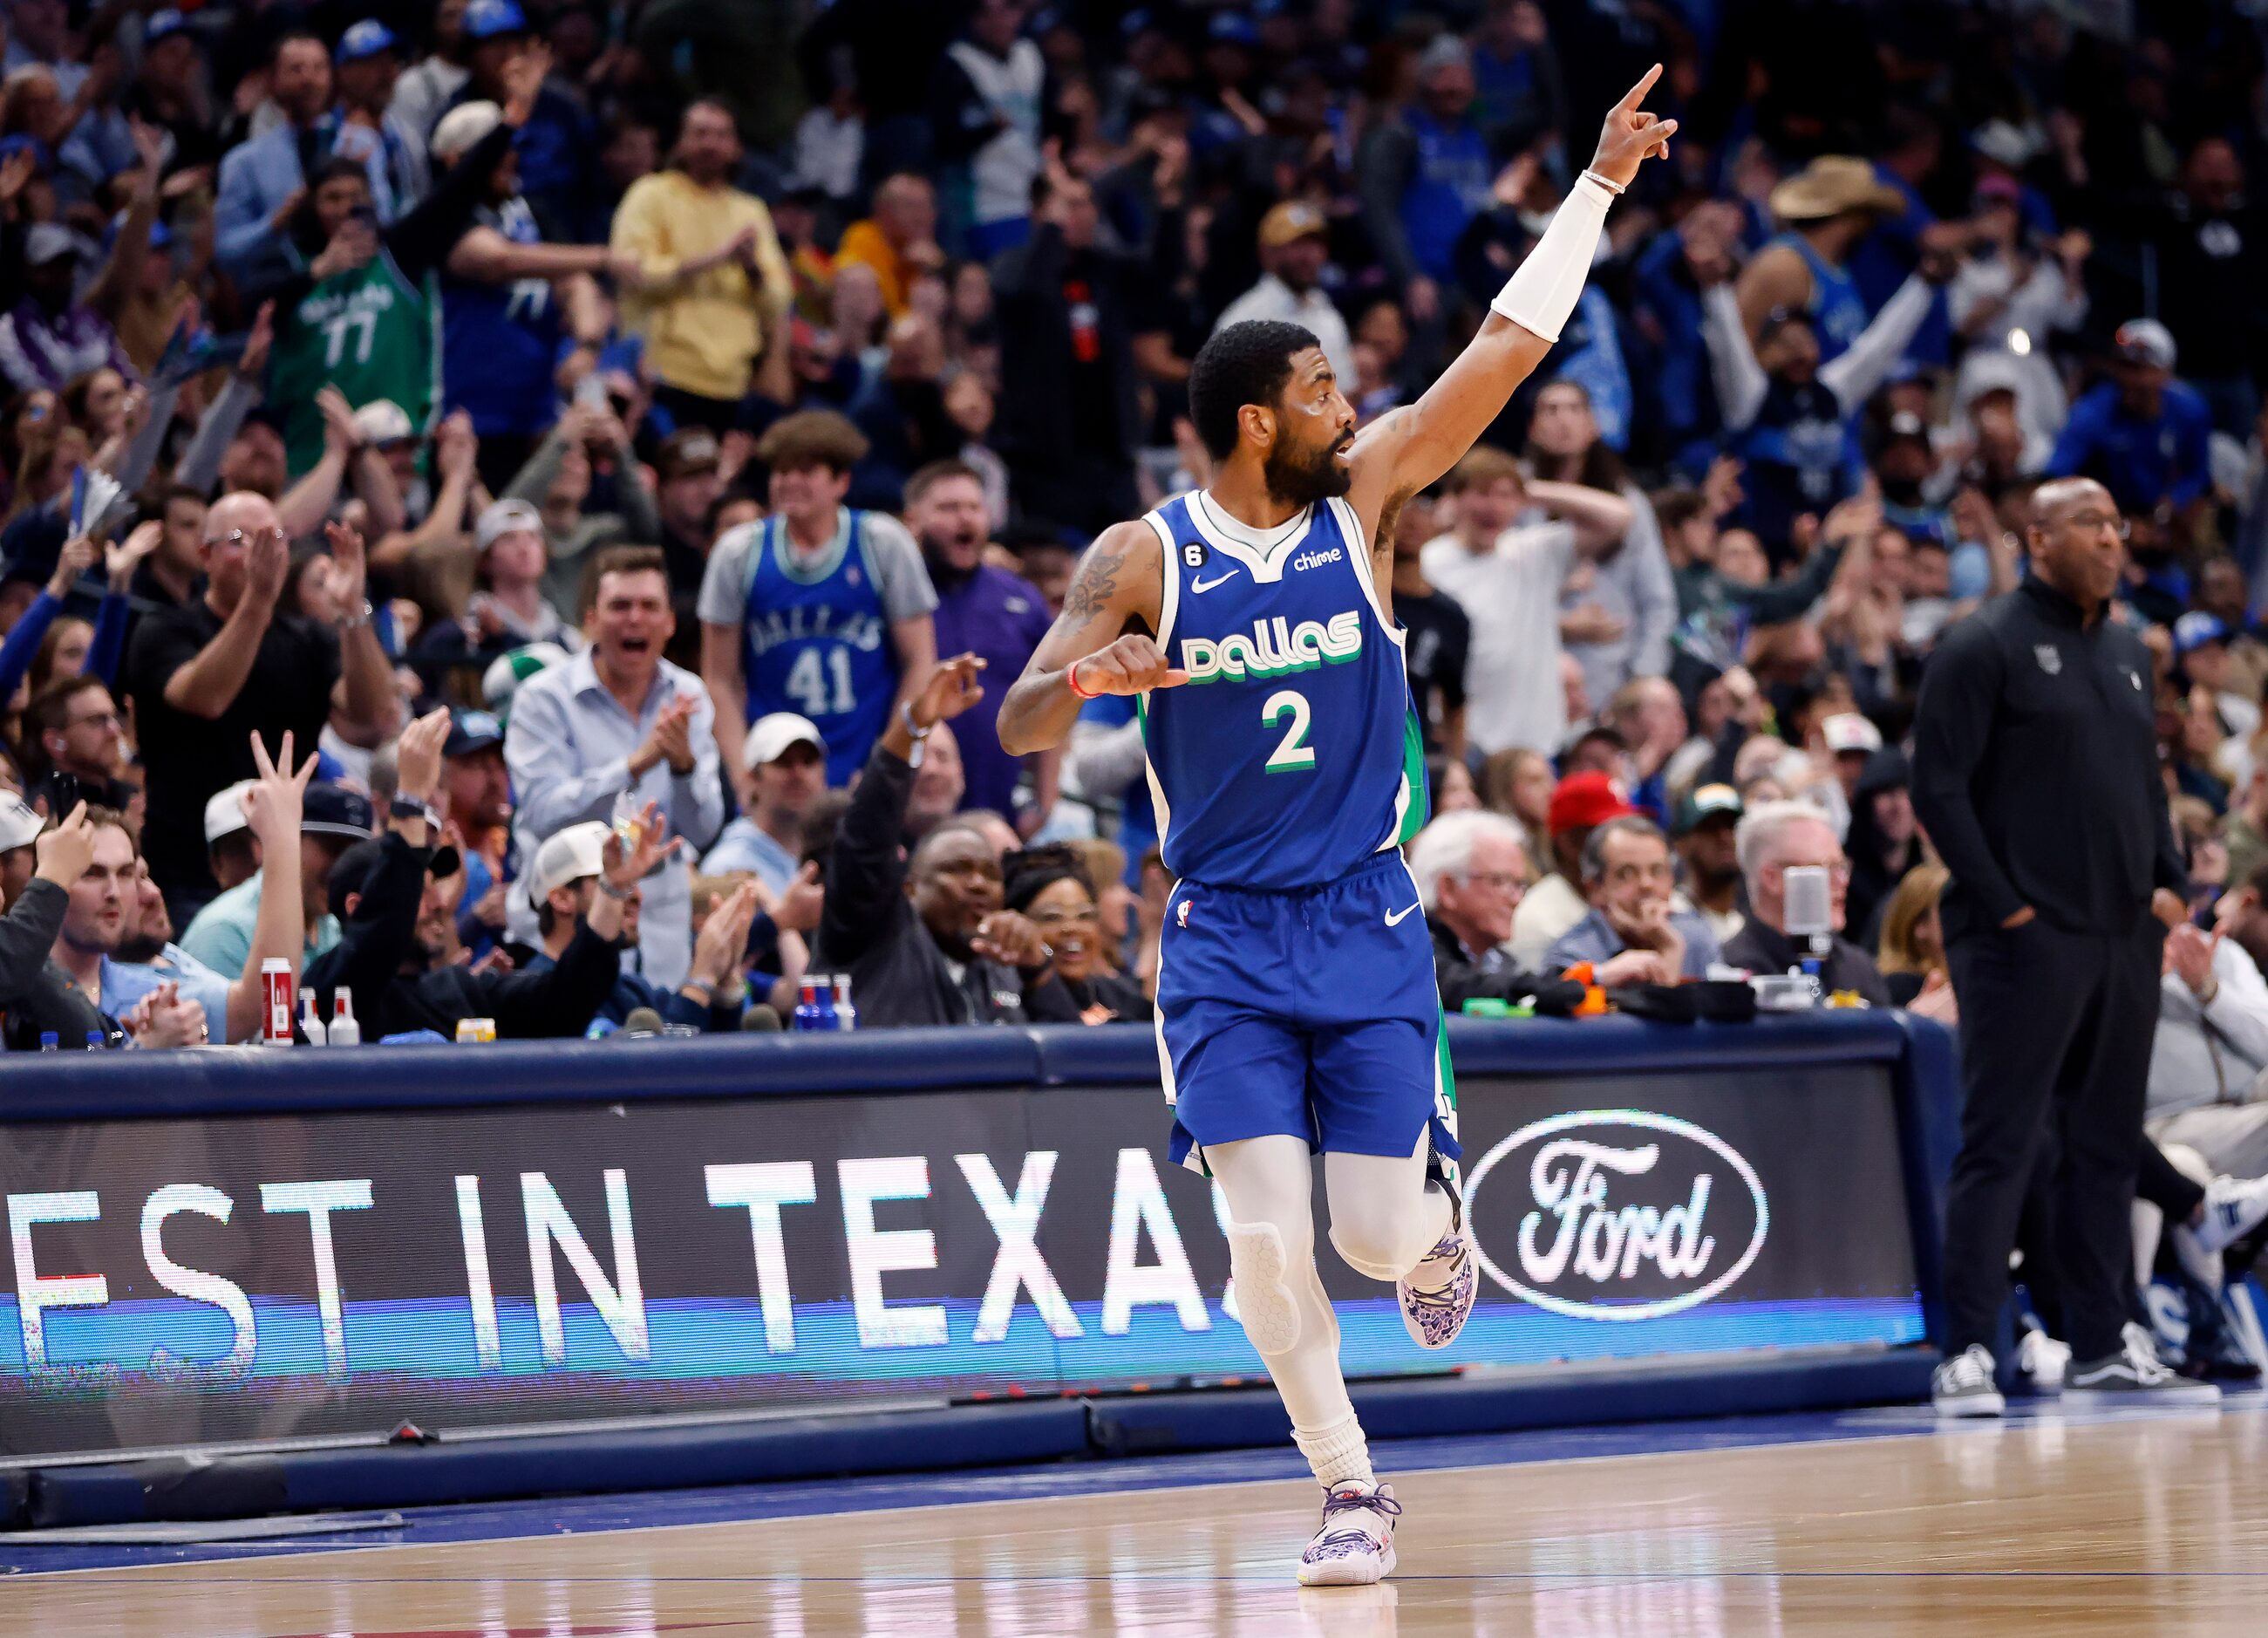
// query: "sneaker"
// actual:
[[2200, 1261], [2043, 1360], [2233, 1209], [2134, 1375], [1355, 1547], [1963, 1385], [1434, 1315]]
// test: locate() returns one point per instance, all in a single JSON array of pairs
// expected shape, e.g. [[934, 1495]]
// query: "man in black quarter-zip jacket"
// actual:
[[2035, 771]]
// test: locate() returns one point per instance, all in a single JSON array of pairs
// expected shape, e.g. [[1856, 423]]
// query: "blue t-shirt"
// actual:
[[740, 846], [1594, 938], [125, 982], [2140, 461], [500, 342]]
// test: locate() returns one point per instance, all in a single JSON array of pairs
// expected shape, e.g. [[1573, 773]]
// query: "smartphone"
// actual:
[[590, 392]]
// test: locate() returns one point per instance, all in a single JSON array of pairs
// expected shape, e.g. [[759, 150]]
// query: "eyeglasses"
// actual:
[[100, 719], [248, 537], [1502, 881], [1838, 868], [2091, 521]]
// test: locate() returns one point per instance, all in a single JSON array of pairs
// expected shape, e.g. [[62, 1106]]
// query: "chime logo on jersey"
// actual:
[[1276, 648]]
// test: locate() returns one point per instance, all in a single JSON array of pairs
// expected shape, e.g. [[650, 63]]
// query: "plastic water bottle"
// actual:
[[311, 1021], [94, 1040], [344, 1030], [806, 1006], [50, 1042], [828, 1020], [846, 1016]]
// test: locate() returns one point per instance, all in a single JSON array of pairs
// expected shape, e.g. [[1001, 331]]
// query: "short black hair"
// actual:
[[1245, 364]]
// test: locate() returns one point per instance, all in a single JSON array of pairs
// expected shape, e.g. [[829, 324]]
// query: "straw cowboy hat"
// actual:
[[1829, 186]]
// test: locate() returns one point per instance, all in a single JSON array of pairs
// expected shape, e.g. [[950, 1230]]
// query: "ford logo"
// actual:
[[1623, 1201]]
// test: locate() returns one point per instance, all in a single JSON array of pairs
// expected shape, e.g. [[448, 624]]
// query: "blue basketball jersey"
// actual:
[[1293, 755], [500, 342], [817, 641], [1836, 311]]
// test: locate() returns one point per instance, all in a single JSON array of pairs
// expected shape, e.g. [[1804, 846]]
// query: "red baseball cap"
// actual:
[[1584, 800]]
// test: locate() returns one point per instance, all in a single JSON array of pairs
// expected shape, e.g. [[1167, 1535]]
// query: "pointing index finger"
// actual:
[[1637, 95]]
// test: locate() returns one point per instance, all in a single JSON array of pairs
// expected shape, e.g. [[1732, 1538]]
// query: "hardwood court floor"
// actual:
[[2154, 1522]]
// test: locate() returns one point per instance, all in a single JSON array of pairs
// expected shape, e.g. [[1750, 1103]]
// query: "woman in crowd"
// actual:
[[1453, 790], [1050, 884], [1911, 954], [1517, 784]]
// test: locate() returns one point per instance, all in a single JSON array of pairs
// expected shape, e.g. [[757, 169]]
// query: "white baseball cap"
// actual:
[[507, 517], [382, 421], [1848, 730], [769, 736], [567, 856], [19, 825], [224, 813]]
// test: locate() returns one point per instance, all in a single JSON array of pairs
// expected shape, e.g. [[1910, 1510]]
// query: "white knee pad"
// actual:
[[1370, 1249], [1265, 1302]]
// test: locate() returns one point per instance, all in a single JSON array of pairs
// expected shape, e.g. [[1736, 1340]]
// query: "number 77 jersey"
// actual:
[[1293, 756]]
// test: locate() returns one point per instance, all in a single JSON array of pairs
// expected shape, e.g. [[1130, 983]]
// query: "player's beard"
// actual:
[[1302, 480]]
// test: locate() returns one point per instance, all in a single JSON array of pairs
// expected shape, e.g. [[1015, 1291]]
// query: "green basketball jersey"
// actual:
[[370, 333]]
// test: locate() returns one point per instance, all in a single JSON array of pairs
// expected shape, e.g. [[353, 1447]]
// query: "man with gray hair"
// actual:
[[1471, 869], [1628, 879], [1774, 838]]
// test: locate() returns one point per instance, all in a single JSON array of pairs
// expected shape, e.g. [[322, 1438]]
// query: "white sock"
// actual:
[[1338, 1454]]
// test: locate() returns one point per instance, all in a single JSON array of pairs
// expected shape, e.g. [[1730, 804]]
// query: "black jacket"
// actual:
[[36, 994], [1462, 978], [1763, 949], [869, 929], [1876, 869], [376, 943], [1036, 356], [2036, 769]]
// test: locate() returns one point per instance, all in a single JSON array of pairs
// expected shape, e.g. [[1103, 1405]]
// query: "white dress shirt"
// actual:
[[568, 744]]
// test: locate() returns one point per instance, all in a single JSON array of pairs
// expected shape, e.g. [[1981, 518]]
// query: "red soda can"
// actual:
[[276, 999]]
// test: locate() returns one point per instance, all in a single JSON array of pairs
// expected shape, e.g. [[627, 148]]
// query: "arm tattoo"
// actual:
[[1095, 584]]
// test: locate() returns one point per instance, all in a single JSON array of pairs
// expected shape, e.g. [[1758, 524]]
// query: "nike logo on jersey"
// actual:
[[1395, 918], [1274, 649], [1218, 579]]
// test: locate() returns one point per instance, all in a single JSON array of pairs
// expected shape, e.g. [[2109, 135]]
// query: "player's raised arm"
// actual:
[[1101, 643], [1400, 453]]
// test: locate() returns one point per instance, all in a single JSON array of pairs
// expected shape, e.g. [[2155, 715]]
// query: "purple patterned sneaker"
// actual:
[[1355, 1547], [1434, 1318]]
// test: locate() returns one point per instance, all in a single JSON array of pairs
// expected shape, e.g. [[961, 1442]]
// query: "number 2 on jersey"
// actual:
[[1294, 755], [806, 681]]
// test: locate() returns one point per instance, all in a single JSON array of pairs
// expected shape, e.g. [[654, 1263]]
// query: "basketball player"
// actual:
[[1296, 1003]]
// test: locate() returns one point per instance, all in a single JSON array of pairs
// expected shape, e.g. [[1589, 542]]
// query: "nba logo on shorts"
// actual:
[[1182, 914]]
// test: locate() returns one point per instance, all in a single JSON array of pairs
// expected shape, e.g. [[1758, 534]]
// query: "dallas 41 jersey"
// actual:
[[1293, 755]]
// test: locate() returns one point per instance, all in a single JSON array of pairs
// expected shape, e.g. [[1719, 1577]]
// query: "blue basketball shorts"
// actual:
[[1310, 1013]]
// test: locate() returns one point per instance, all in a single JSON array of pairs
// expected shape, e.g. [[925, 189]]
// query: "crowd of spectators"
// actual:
[[525, 509]]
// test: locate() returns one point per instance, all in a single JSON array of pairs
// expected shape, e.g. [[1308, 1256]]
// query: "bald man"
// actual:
[[2036, 770], [206, 676]]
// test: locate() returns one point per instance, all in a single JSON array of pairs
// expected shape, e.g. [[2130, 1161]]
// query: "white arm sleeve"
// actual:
[[1739, 379], [1541, 293], [1853, 375]]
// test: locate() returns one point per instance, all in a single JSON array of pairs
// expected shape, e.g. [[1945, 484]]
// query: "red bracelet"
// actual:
[[1070, 681]]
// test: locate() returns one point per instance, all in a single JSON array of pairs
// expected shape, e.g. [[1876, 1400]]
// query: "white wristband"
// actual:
[[1541, 293]]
